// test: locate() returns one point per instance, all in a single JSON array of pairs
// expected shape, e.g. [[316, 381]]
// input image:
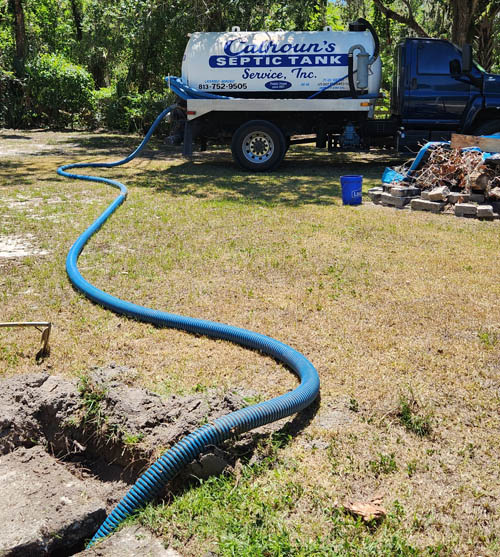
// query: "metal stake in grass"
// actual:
[[47, 326]]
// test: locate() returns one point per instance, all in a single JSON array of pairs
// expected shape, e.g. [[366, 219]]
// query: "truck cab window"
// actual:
[[434, 57]]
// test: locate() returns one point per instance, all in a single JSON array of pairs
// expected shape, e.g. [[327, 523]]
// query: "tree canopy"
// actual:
[[123, 48]]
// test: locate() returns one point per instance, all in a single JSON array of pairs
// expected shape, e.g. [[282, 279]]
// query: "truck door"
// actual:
[[435, 99]]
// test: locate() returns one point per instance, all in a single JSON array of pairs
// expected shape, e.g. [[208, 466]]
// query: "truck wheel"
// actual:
[[488, 128], [258, 145]]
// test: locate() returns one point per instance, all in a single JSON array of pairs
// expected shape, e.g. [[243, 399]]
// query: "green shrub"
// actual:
[[60, 92], [127, 111], [12, 110]]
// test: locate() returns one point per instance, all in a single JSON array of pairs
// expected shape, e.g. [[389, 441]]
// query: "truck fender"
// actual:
[[471, 113]]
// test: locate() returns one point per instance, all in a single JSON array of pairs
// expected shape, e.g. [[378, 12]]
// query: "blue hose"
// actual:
[[152, 481]]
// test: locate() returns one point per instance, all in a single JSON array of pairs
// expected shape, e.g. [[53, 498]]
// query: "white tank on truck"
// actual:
[[287, 64]]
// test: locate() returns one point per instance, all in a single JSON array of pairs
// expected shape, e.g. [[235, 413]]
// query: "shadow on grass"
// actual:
[[9, 176], [115, 145], [16, 137], [305, 178]]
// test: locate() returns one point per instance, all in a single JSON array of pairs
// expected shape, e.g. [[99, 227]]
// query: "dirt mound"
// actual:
[[102, 416], [104, 431]]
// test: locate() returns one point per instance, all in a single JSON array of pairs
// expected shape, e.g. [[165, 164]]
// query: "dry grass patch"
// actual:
[[397, 310]]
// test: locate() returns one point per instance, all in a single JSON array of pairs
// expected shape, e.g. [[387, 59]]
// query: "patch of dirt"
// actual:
[[105, 432], [19, 246], [131, 541], [49, 509], [106, 419]]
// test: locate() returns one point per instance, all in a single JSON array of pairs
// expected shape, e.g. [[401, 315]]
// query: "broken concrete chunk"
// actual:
[[439, 194], [479, 180], [424, 205], [425, 195], [465, 210], [131, 541], [413, 191], [458, 197], [211, 464], [495, 193], [45, 507], [485, 212]]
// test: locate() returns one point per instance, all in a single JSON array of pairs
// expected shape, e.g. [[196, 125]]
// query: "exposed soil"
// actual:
[[18, 246], [70, 449]]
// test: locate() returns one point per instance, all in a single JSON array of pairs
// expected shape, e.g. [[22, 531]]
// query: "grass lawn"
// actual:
[[397, 310]]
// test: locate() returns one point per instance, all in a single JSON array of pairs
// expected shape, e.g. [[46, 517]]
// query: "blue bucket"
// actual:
[[351, 189]]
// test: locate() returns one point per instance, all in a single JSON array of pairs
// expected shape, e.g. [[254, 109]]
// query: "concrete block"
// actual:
[[465, 210], [458, 197], [391, 200], [477, 197], [485, 212], [398, 191], [45, 508], [404, 191], [425, 195], [131, 541], [414, 191], [425, 205], [375, 193], [439, 194]]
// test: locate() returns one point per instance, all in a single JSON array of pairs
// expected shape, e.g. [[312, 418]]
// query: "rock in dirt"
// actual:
[[44, 507], [131, 541], [367, 510]]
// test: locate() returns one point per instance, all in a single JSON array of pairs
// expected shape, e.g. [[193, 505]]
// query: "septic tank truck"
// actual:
[[263, 91]]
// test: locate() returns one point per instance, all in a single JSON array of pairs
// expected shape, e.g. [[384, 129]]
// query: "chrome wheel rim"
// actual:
[[258, 147]]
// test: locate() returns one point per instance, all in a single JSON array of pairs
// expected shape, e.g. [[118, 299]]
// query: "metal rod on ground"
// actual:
[[44, 351]]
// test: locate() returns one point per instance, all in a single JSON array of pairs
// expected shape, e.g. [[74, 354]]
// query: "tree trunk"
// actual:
[[20, 35], [76, 9], [463, 12]]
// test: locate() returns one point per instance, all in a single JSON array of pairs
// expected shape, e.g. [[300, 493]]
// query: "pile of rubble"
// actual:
[[448, 180]]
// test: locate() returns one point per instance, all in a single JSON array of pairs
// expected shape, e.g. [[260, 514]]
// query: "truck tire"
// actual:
[[258, 145], [488, 128]]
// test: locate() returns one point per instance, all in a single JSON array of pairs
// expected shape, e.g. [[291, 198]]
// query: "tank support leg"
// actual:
[[187, 150]]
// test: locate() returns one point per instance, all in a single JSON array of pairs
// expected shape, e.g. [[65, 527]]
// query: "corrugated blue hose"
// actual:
[[152, 482]]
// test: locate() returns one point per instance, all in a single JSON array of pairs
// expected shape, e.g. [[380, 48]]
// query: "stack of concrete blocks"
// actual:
[[462, 204], [394, 195]]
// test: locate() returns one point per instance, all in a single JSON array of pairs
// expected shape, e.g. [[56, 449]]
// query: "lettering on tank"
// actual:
[[275, 65]]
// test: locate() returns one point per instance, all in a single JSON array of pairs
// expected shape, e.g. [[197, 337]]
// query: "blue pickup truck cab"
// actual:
[[437, 89]]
